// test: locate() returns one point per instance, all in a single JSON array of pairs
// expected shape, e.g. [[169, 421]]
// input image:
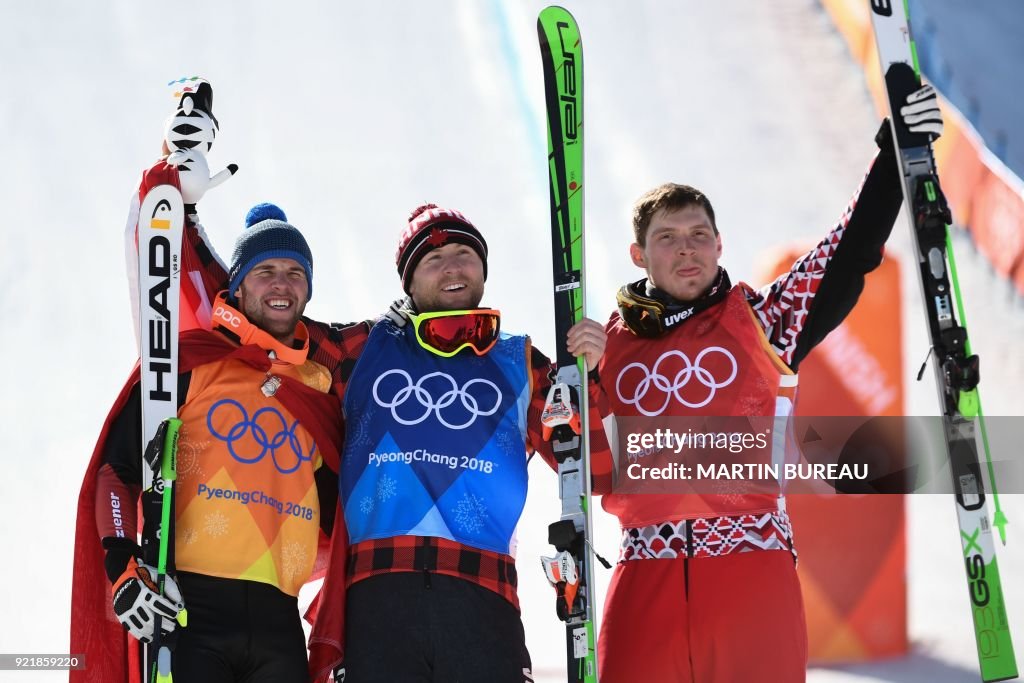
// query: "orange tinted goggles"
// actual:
[[445, 333]]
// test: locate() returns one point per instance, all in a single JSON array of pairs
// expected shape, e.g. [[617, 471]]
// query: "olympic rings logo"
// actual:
[[284, 435], [425, 399], [653, 380]]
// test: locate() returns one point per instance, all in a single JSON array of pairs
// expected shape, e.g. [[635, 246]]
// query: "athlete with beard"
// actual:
[[258, 424], [441, 412], [706, 588]]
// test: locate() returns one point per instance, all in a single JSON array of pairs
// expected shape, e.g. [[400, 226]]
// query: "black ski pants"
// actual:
[[413, 627], [238, 632]]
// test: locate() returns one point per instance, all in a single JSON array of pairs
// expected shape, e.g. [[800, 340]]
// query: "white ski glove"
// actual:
[[137, 601], [921, 113], [399, 310], [194, 174]]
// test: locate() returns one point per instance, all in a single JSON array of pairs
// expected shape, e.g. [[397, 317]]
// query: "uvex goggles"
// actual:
[[448, 332], [649, 315], [641, 314]]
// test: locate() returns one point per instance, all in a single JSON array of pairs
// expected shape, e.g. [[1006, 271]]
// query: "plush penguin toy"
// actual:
[[189, 135]]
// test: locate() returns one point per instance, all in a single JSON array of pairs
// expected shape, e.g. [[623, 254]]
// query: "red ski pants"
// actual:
[[736, 618]]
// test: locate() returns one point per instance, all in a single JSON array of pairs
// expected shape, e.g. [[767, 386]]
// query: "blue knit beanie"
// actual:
[[267, 235]]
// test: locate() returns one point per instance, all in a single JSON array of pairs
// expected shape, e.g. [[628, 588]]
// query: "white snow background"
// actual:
[[348, 115]]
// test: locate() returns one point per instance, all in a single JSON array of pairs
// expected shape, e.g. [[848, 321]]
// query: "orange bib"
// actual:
[[246, 500]]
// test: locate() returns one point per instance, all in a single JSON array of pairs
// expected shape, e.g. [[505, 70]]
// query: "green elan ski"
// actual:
[[956, 368]]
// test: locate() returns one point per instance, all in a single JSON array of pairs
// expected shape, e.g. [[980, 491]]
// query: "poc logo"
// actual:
[[882, 7], [227, 317]]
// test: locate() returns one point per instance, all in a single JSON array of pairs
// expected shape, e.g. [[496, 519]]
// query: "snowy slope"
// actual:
[[350, 114]]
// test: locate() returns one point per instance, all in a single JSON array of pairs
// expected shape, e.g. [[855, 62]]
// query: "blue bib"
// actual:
[[435, 446]]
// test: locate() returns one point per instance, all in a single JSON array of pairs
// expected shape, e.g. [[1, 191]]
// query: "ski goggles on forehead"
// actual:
[[445, 333]]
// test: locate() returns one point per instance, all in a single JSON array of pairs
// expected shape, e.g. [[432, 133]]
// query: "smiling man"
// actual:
[[273, 295], [706, 588], [441, 411], [258, 422]]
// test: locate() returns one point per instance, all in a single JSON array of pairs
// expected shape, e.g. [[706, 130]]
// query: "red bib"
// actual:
[[717, 364]]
